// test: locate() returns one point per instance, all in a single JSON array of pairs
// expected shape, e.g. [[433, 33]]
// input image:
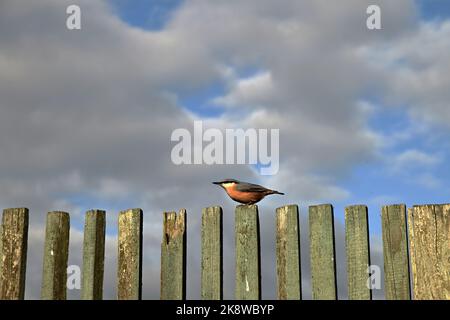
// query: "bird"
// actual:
[[244, 192]]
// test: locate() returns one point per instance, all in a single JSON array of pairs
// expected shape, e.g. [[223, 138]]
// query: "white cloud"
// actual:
[[411, 159], [416, 167], [427, 180], [416, 71], [254, 92]]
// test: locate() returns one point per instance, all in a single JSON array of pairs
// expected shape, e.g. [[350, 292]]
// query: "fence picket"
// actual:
[[173, 256], [322, 251], [93, 255], [212, 254], [248, 261], [56, 254], [395, 252], [288, 253], [357, 247], [129, 271], [429, 236], [13, 253]]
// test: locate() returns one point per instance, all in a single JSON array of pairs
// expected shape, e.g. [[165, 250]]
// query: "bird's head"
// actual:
[[227, 183]]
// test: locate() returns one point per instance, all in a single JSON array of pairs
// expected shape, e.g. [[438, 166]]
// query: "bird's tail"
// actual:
[[276, 192]]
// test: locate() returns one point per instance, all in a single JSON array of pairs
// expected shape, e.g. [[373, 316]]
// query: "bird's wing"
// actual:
[[250, 187]]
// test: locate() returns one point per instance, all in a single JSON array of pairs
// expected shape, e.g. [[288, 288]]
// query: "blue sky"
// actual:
[[150, 15], [434, 9], [154, 14]]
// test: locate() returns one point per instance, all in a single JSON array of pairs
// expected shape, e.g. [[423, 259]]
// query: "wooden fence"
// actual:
[[419, 237]]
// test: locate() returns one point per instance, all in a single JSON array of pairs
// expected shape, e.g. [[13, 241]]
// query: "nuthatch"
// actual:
[[243, 192]]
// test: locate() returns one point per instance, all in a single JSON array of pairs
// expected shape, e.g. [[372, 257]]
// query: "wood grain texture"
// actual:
[[129, 271], [288, 253], [248, 261], [14, 253], [357, 248], [1, 255], [173, 256], [429, 236], [395, 252], [412, 250], [322, 250], [212, 254], [56, 254], [93, 255]]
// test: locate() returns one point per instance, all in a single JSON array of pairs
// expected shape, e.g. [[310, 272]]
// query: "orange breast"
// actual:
[[244, 197]]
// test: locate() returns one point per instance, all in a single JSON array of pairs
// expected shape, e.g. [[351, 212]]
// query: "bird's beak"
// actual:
[[218, 183]]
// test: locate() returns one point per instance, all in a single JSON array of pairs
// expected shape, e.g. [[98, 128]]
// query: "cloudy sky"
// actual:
[[86, 116]]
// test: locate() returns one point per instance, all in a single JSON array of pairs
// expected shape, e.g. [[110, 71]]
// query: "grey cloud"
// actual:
[[420, 68]]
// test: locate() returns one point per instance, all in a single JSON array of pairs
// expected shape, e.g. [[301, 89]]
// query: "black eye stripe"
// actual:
[[229, 181]]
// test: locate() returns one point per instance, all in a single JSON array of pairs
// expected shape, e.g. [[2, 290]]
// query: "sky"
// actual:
[[86, 116]]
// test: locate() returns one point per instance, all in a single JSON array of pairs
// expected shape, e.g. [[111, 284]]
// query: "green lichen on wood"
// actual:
[[288, 253], [56, 254], [212, 254], [322, 251], [129, 270], [173, 256], [395, 252], [93, 255], [357, 247], [429, 236], [13, 253], [248, 265]]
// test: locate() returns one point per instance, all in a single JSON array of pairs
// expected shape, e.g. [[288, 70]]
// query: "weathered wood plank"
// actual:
[[56, 254], [212, 254], [93, 255], [14, 253], [429, 230], [288, 253], [412, 249], [395, 252], [129, 271], [173, 256], [323, 252], [248, 262], [1, 255], [357, 247]]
